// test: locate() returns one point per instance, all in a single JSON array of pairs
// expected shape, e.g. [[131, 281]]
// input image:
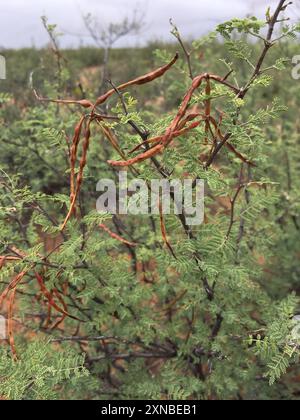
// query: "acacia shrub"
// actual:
[[213, 319]]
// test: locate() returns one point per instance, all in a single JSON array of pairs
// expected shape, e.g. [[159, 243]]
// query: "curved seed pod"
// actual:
[[164, 230], [161, 138], [188, 118], [115, 236], [183, 108], [13, 284], [186, 101], [49, 314], [229, 145], [113, 140], [140, 158], [147, 78], [5, 259], [73, 156], [207, 109], [83, 102], [64, 305], [79, 180], [10, 332], [48, 295]]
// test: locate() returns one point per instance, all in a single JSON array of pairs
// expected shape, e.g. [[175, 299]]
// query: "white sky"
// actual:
[[21, 25]]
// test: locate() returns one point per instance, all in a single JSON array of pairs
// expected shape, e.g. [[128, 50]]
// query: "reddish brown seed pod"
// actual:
[[13, 285], [164, 230], [73, 156], [207, 109], [48, 295], [113, 140], [65, 307], [188, 118], [49, 314], [229, 145], [186, 101], [79, 180], [238, 154], [83, 102], [183, 109], [10, 332], [115, 236], [140, 158], [174, 135], [147, 78], [208, 100], [4, 260]]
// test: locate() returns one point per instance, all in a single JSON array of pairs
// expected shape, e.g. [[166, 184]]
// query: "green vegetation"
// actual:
[[204, 312]]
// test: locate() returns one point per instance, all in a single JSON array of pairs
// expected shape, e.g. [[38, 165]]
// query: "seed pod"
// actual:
[[140, 158], [115, 236], [73, 156], [10, 332], [13, 285], [229, 145], [64, 305], [48, 295], [174, 135], [83, 102], [79, 181], [164, 230], [113, 140], [207, 109], [149, 77]]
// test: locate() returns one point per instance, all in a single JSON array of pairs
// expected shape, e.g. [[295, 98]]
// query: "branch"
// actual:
[[187, 53], [134, 355], [257, 71]]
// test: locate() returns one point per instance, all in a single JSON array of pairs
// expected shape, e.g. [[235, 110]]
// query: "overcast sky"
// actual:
[[20, 21]]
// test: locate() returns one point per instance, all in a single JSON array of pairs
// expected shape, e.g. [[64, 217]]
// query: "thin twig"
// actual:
[[187, 53]]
